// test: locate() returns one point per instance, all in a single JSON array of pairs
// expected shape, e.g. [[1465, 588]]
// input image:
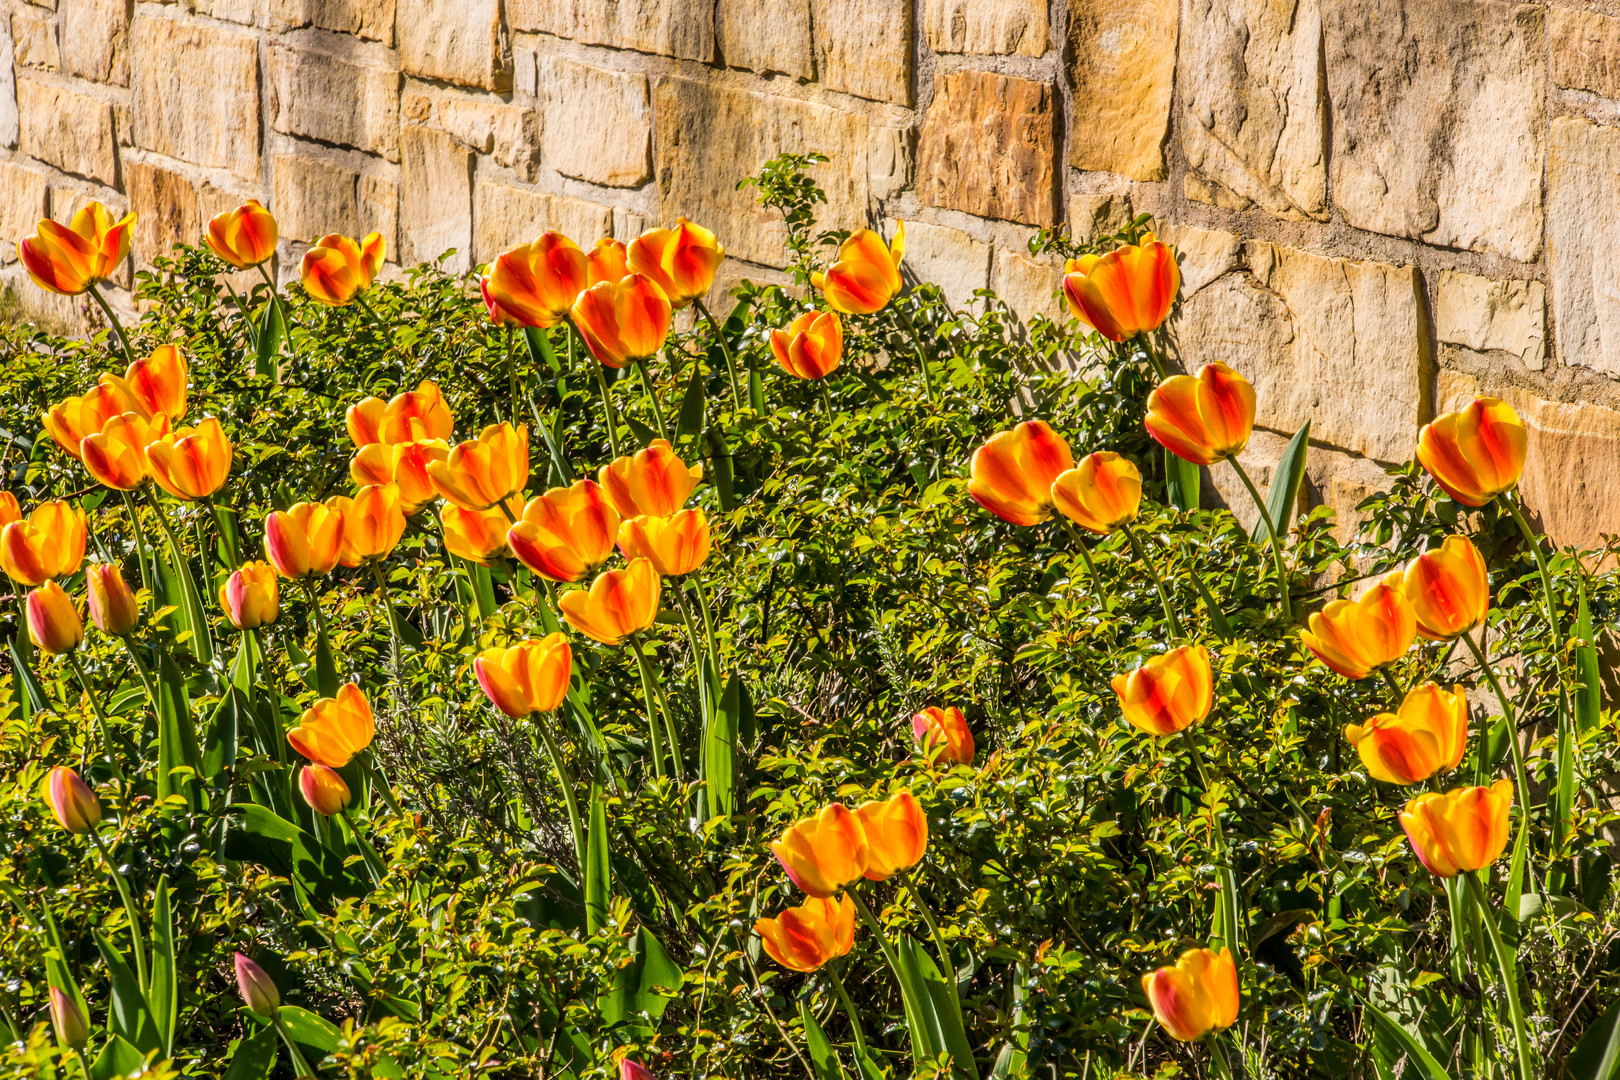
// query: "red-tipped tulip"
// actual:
[[1128, 291], [682, 260], [609, 260], [944, 732], [250, 597], [323, 789], [72, 803], [1449, 589], [113, 607], [1204, 418], [623, 321], [1012, 473], [896, 835], [530, 677], [337, 269], [537, 283], [1463, 830], [53, 620], [824, 853], [867, 274], [68, 259], [805, 937], [1169, 692], [1101, 494], [1197, 996], [47, 544], [674, 545], [243, 237], [811, 347], [1357, 637], [306, 538], [485, 471], [1475, 454], [333, 730], [565, 532], [654, 481], [619, 603], [1427, 735], [191, 462]]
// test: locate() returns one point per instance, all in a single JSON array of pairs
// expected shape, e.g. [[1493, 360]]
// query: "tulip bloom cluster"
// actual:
[[1024, 474]]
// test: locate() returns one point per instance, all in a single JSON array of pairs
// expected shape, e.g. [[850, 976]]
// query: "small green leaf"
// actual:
[[254, 1057], [690, 421], [117, 1059]]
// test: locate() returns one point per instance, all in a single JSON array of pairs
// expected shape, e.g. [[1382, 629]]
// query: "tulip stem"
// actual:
[[922, 355], [140, 671], [1551, 598], [393, 616], [1506, 969], [877, 932], [652, 397], [118, 327], [947, 967], [326, 684], [511, 372], [226, 537], [1276, 544], [655, 696], [565, 781], [725, 350], [826, 398], [201, 645], [697, 656], [1218, 1067], [140, 540], [1519, 779], [849, 1010], [373, 861], [101, 717], [1158, 582], [1394, 686], [300, 1066], [137, 940], [84, 1062], [286, 323], [1079, 543], [1152, 357], [609, 416]]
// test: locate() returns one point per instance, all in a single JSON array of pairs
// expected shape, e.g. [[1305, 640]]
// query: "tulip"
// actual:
[[68, 259], [191, 462], [1357, 637], [1476, 454], [1169, 692], [945, 732], [1197, 996], [609, 260], [159, 382], [404, 464], [48, 543], [306, 538], [115, 456], [674, 545], [373, 522], [682, 260], [258, 990], [323, 789], [654, 481], [1427, 735], [70, 421], [477, 535], [805, 937], [250, 596], [530, 677], [72, 1029], [497, 314], [337, 269], [1205, 418], [1128, 291], [1465, 829], [243, 237], [1012, 474], [72, 803], [484, 472], [619, 603], [566, 531], [9, 510], [812, 346], [623, 321], [1449, 589], [629, 1070], [866, 275], [414, 415], [364, 421], [53, 620], [334, 729], [1101, 494], [824, 853], [896, 835], [113, 606], [537, 283]]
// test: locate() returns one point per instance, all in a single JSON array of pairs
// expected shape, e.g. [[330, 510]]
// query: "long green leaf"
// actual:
[[130, 1015], [644, 986], [220, 739], [1589, 695], [1597, 1055], [1182, 481], [190, 602], [307, 1029], [254, 1057], [1285, 483], [268, 341], [540, 350], [823, 1058], [177, 734], [117, 1059], [938, 1009], [259, 835], [598, 883], [164, 994], [1431, 1069], [720, 750], [690, 420], [28, 685]]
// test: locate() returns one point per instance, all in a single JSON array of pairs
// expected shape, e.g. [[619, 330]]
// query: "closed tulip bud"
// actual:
[[243, 237], [1204, 418], [629, 1070], [682, 260], [415, 415], [373, 522], [113, 607], [623, 321], [1425, 736], [71, 421], [9, 509], [258, 990], [537, 283], [1463, 830], [53, 620], [566, 531], [609, 260], [191, 462], [48, 543], [811, 347], [1357, 637], [334, 729], [1476, 454], [497, 314], [530, 677], [824, 853], [866, 275], [72, 1029], [1197, 996], [485, 471], [1128, 291], [944, 732], [896, 835], [619, 603], [1101, 494], [674, 545], [477, 535], [68, 259], [805, 937], [1169, 692], [323, 789], [73, 805], [158, 382], [404, 464], [1449, 589], [306, 538], [1012, 474], [337, 269], [115, 456], [251, 597], [364, 421], [654, 481]]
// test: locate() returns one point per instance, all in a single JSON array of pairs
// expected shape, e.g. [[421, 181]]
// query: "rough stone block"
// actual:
[[510, 133], [318, 96], [1092, 215], [166, 211], [95, 40], [987, 147], [372, 19], [1438, 120], [245, 12], [1202, 254], [888, 161], [27, 192], [679, 28], [8, 90], [379, 211], [73, 131], [196, 94], [946, 257], [1583, 242], [1122, 59], [766, 36], [506, 215], [459, 41], [1029, 286], [581, 220], [33, 39], [863, 47], [436, 198], [1585, 50], [1486, 316], [597, 123], [1001, 27], [311, 198]]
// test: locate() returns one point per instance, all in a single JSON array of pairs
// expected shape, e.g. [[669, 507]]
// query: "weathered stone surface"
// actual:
[[72, 131], [373, 19], [766, 36], [863, 47], [196, 94], [1486, 315], [436, 200], [510, 133], [1252, 111], [95, 40], [888, 161], [8, 90], [709, 137], [987, 147], [507, 215], [1585, 50], [166, 210], [597, 123], [1202, 254], [680, 28], [1438, 120], [25, 203], [379, 211], [245, 12], [459, 41], [319, 96], [1583, 242], [33, 39], [581, 220], [311, 198], [1122, 59], [1029, 286], [946, 257], [1092, 215], [987, 26]]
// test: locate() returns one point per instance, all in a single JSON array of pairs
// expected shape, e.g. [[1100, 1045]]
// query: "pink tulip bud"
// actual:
[[72, 1029], [258, 989], [73, 804]]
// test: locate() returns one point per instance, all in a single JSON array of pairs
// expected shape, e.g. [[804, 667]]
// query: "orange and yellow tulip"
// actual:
[[1128, 291], [416, 415], [404, 464], [53, 620], [654, 481], [1475, 454], [619, 603], [48, 543], [191, 462], [115, 456], [537, 283], [158, 382], [896, 835], [323, 789], [373, 522], [1012, 474], [1100, 494], [73, 805], [9, 509], [530, 677], [485, 471], [334, 729], [566, 531], [1357, 637], [824, 853], [251, 597], [113, 606], [70, 421], [866, 275], [811, 347], [68, 259], [497, 314], [1169, 692], [623, 321], [944, 732], [306, 538], [364, 420], [675, 545], [477, 535], [1425, 736], [243, 237], [337, 269], [1197, 996], [1204, 418], [1463, 830], [1449, 589], [805, 937], [609, 260], [682, 260]]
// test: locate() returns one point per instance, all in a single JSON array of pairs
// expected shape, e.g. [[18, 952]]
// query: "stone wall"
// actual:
[[1384, 206]]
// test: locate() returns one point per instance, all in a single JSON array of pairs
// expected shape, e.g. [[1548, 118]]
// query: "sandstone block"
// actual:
[[66, 315], [766, 36], [888, 161], [863, 47], [311, 198], [72, 131], [679, 28], [987, 147], [1252, 109], [1122, 58], [436, 198], [581, 220], [95, 40], [946, 257], [1583, 242], [1029, 286], [709, 137], [597, 123], [1585, 50], [245, 12], [510, 133], [1093, 215], [372, 19], [196, 94], [1438, 120], [379, 211], [459, 41], [987, 26], [319, 96], [33, 39], [1202, 254], [8, 90], [166, 211], [25, 203], [1485, 315], [506, 215]]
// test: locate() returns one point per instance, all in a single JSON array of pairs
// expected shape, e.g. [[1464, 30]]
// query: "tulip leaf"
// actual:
[[177, 734], [164, 993], [931, 1011], [129, 1015], [756, 391], [1597, 1055], [721, 469], [559, 464], [260, 835], [1212, 608], [224, 729], [117, 1059], [1514, 888], [310, 1030], [1285, 481], [1182, 480], [28, 688], [644, 986], [540, 350], [720, 750], [690, 420], [1430, 1068], [644, 434], [823, 1057], [1589, 695], [598, 873], [267, 341], [254, 1057]]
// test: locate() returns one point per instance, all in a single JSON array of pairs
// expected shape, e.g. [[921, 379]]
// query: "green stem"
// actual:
[[849, 1010], [1158, 582], [388, 608], [140, 539], [201, 643], [140, 671], [650, 686], [1079, 543], [1506, 968], [725, 350], [1152, 357], [373, 861], [1394, 686], [286, 323], [697, 654], [922, 355], [101, 717], [300, 1066], [566, 782], [137, 940], [511, 373], [118, 327], [1520, 780], [826, 398], [1271, 531], [652, 397], [1218, 1067], [84, 1062], [946, 967], [708, 621], [609, 416], [877, 932], [326, 684], [225, 535]]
